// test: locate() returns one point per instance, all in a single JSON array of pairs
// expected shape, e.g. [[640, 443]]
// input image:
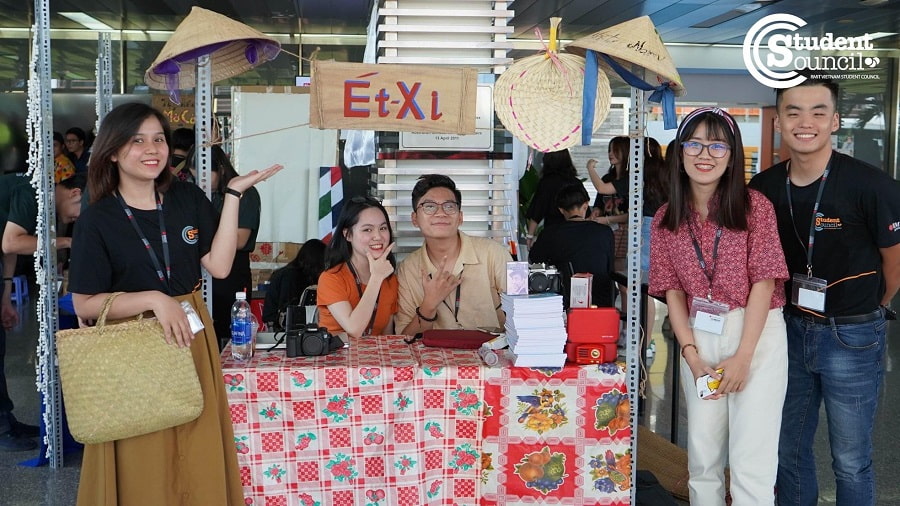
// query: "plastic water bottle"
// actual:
[[241, 328]]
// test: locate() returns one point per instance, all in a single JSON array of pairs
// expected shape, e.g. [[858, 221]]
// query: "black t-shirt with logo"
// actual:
[[858, 214], [108, 255]]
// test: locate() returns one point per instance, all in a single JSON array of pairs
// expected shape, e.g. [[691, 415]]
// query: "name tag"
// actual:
[[708, 315], [808, 292]]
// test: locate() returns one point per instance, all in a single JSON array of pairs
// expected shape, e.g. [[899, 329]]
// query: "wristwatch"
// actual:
[[889, 314]]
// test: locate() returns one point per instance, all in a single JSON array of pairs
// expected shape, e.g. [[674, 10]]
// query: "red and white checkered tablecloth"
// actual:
[[556, 436], [380, 423]]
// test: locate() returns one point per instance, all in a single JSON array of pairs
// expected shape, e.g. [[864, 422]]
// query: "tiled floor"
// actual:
[[28, 486]]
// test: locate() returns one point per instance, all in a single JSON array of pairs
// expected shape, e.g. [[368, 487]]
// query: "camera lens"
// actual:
[[314, 344], [538, 282]]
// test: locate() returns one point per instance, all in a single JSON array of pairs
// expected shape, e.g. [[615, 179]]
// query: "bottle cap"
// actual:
[[240, 295]]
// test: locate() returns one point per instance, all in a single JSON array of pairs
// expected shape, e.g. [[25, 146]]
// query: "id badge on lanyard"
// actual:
[[808, 292], [708, 315]]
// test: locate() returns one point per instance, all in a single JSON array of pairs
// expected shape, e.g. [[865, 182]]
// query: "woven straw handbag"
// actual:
[[124, 380]]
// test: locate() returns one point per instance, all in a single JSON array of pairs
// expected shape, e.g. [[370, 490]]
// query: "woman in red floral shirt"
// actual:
[[716, 257]]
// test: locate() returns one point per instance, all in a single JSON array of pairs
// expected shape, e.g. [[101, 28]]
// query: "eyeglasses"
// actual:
[[449, 207], [71, 141], [715, 150]]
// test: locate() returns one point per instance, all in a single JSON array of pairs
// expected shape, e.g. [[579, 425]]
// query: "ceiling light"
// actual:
[[87, 21]]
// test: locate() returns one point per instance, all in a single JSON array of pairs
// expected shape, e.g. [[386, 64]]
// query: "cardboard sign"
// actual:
[[178, 115], [392, 98]]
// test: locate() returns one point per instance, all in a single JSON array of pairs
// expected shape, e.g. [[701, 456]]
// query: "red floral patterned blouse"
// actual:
[[744, 257]]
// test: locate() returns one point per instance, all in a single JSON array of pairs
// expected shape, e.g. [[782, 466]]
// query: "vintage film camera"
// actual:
[[544, 278], [311, 341]]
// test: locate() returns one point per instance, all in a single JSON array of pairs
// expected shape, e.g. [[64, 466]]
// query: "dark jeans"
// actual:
[[6, 404], [841, 365]]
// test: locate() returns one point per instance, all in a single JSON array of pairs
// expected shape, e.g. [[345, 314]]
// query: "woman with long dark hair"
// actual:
[[716, 257], [357, 293], [611, 201], [287, 283], [147, 235]]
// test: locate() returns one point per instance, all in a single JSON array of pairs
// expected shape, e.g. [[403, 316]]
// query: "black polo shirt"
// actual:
[[858, 214]]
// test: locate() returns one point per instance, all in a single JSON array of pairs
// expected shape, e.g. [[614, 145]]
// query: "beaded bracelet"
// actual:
[[689, 345], [423, 318]]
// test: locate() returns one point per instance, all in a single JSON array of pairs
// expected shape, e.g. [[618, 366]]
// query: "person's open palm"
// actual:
[[241, 183]]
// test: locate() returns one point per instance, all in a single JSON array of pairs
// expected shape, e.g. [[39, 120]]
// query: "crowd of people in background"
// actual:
[[782, 312]]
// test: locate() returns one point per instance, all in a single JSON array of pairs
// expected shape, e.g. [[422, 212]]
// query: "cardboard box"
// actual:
[[275, 252], [580, 290], [260, 276]]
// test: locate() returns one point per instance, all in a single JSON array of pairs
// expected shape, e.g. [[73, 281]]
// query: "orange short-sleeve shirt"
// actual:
[[337, 284]]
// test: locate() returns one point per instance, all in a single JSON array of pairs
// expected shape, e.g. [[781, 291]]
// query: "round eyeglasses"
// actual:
[[715, 150], [449, 207]]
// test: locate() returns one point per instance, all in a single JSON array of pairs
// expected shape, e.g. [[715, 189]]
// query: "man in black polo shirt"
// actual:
[[839, 223], [578, 245], [18, 221]]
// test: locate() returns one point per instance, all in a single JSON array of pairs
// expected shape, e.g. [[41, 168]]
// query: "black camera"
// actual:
[[543, 278], [311, 341]]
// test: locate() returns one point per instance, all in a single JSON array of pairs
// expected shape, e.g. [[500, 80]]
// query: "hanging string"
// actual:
[[36, 171]]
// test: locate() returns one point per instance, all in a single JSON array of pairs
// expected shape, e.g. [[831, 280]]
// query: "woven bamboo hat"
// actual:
[[633, 42], [539, 99], [233, 48]]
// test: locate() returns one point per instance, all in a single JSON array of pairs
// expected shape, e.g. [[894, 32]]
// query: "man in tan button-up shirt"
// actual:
[[454, 280]]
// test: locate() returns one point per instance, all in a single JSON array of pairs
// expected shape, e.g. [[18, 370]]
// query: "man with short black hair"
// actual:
[[14, 435], [18, 219], [838, 223], [578, 245], [454, 280], [75, 138]]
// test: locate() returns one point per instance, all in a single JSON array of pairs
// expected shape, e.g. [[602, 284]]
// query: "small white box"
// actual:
[[580, 290]]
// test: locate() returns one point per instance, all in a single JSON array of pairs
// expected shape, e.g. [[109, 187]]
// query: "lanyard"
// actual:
[[165, 276], [812, 224], [456, 305], [699, 253], [360, 291]]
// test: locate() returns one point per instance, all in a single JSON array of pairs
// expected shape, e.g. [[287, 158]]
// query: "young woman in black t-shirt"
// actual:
[[135, 202]]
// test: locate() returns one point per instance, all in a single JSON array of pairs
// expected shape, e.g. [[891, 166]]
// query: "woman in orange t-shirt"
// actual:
[[357, 292]]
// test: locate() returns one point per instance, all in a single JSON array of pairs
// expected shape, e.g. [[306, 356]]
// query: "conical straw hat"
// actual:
[[540, 102], [633, 42], [233, 48]]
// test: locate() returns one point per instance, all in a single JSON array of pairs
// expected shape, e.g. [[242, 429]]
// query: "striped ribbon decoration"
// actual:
[[331, 196]]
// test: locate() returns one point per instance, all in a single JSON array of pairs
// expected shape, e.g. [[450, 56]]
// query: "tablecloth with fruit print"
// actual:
[[380, 423], [556, 435]]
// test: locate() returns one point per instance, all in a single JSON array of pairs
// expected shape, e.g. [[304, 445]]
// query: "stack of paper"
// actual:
[[535, 329]]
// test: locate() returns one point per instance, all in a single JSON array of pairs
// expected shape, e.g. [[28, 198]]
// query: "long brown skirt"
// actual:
[[191, 464]]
